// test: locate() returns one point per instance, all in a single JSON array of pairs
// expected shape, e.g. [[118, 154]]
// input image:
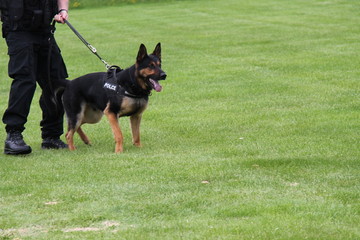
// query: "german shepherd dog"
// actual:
[[87, 98]]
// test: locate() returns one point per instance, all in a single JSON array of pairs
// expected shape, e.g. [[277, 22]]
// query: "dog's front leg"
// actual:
[[135, 129], [114, 123]]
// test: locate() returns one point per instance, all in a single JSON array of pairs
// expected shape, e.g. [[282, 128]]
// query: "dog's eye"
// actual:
[[152, 65]]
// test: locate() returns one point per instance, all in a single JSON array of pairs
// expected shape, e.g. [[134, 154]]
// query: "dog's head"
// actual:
[[148, 68]]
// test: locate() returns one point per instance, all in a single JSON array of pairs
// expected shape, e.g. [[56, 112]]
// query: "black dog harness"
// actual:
[[110, 82], [112, 86]]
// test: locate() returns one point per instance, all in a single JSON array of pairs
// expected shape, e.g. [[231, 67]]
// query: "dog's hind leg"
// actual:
[[115, 127], [73, 126], [83, 136], [135, 129], [70, 139]]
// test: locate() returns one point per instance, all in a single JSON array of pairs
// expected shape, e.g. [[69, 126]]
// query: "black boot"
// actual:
[[53, 143], [14, 144]]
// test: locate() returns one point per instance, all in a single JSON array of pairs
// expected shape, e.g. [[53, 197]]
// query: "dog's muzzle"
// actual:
[[155, 82], [162, 76]]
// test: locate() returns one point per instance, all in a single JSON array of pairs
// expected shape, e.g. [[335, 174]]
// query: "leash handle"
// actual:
[[88, 45]]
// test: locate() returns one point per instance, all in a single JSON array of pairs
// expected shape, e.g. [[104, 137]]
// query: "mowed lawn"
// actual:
[[255, 135]]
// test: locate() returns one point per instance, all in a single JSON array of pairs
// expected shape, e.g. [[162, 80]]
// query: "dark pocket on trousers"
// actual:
[[20, 54]]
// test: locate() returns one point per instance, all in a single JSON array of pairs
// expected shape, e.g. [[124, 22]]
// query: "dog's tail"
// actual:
[[54, 91], [59, 88]]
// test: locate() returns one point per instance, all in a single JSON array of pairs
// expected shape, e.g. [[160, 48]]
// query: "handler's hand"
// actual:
[[61, 16]]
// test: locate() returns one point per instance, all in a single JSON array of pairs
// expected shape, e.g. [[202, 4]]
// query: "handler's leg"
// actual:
[[21, 70], [50, 100]]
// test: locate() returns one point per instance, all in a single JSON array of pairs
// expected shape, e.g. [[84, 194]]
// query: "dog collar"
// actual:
[[133, 95]]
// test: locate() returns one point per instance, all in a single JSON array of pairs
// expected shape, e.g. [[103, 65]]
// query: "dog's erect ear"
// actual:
[[157, 51], [142, 53]]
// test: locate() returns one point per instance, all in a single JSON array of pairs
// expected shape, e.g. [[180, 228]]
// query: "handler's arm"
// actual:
[[63, 6]]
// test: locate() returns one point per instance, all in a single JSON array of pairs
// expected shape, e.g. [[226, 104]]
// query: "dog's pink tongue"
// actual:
[[156, 85]]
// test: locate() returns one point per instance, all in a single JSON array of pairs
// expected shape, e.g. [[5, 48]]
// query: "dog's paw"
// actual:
[[139, 145], [118, 149], [72, 148]]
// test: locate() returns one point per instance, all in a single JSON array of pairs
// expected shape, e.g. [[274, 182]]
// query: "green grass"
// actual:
[[255, 135], [78, 4]]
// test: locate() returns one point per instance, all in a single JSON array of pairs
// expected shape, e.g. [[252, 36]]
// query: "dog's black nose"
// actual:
[[162, 76]]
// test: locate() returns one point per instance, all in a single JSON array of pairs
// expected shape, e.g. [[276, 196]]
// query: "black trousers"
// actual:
[[29, 64]]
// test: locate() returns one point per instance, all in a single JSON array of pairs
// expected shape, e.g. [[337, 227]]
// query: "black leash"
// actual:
[[48, 87], [89, 46]]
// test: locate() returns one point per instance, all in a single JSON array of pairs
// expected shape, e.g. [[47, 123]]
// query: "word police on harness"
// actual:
[[110, 86]]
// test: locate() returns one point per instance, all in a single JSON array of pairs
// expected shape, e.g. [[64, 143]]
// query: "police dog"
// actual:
[[116, 94]]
